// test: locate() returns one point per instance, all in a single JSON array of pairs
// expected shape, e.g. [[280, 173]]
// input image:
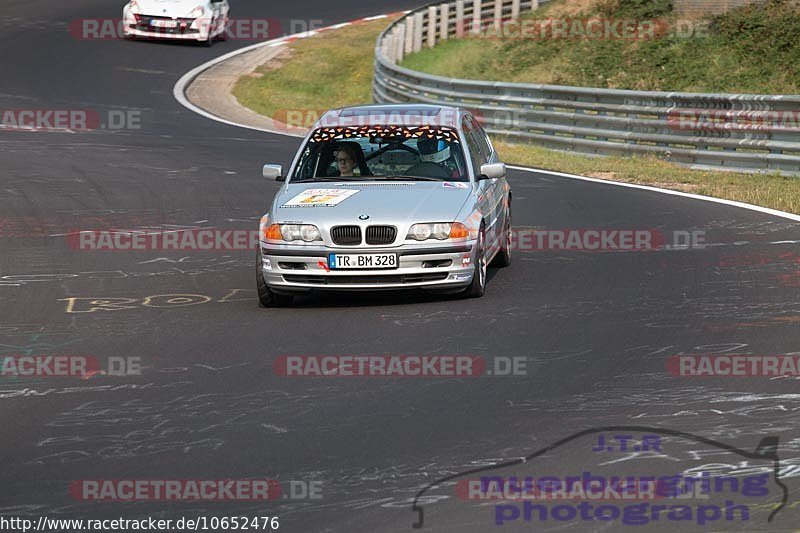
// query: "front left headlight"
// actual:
[[440, 231], [197, 12], [291, 232]]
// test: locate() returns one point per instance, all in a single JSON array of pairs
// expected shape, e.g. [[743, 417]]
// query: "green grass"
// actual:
[[331, 70], [751, 50], [335, 70]]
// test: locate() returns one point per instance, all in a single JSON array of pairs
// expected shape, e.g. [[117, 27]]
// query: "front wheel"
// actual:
[[478, 285], [267, 298], [503, 257], [223, 36]]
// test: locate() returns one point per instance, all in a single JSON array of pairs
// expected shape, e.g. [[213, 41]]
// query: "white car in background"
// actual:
[[192, 20]]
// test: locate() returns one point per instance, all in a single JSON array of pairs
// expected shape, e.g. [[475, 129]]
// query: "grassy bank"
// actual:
[[335, 69], [752, 49], [331, 70]]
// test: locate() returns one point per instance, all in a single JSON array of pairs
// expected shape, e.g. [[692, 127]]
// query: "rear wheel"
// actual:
[[267, 298], [478, 285]]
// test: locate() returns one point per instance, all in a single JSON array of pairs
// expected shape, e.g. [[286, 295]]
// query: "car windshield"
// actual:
[[382, 152]]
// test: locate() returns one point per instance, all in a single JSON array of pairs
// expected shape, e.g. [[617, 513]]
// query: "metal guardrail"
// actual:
[[759, 133]]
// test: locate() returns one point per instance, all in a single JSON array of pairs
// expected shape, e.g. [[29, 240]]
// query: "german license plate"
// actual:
[[362, 261], [156, 23]]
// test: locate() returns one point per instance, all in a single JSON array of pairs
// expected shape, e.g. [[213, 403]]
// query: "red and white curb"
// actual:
[[179, 92], [292, 38]]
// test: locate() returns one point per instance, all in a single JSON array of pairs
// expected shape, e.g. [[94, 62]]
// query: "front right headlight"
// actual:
[[197, 12]]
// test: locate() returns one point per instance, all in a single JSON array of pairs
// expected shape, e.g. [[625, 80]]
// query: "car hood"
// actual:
[[169, 8], [393, 203]]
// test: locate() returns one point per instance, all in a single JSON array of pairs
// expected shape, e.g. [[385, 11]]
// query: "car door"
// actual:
[[502, 190], [493, 189], [484, 199]]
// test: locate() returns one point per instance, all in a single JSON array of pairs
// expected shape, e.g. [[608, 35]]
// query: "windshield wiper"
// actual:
[[323, 178], [410, 178]]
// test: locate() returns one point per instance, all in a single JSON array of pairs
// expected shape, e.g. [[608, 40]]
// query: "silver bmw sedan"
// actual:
[[383, 198]]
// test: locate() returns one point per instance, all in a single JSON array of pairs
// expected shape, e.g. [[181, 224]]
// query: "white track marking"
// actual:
[[742, 205]]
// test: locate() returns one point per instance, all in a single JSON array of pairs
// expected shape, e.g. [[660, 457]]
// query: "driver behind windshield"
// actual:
[[350, 153], [346, 160]]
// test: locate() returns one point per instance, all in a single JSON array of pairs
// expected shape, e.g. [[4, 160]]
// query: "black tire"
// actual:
[[224, 35], [478, 285], [267, 298], [208, 43], [503, 257]]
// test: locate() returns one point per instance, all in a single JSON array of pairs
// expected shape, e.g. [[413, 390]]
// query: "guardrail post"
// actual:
[[460, 19], [432, 26], [534, 5], [409, 46], [444, 24], [397, 45], [418, 23], [387, 46], [476, 17], [515, 9], [400, 48], [498, 14]]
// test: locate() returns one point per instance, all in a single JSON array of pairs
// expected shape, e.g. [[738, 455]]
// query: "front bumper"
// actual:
[[187, 29], [300, 269]]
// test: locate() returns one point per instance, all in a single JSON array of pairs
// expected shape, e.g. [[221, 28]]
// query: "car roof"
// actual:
[[393, 114]]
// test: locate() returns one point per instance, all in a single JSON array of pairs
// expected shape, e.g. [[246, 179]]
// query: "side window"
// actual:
[[474, 148], [483, 140]]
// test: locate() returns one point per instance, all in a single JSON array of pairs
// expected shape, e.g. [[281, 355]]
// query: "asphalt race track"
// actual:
[[596, 328]]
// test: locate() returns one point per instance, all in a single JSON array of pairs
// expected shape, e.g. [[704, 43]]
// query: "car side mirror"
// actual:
[[273, 172], [493, 171]]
